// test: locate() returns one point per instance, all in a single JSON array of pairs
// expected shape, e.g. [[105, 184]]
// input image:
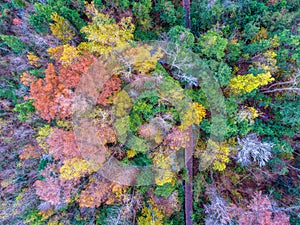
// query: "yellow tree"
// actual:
[[61, 28], [192, 115], [33, 59], [247, 83], [164, 172], [75, 168], [66, 54], [104, 34], [151, 215], [140, 58], [214, 153]]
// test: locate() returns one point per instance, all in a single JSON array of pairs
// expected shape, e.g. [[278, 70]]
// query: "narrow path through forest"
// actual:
[[188, 187]]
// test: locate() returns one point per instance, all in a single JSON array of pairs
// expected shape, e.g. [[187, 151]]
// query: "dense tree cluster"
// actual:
[[149, 112]]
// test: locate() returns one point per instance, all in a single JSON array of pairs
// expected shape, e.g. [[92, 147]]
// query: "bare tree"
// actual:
[[218, 211], [252, 147], [291, 85]]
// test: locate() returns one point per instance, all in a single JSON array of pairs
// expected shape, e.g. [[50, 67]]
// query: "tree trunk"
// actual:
[[186, 6]]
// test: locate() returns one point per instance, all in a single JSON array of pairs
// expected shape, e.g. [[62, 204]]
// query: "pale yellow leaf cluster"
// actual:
[[164, 173], [75, 168], [33, 59], [151, 216], [192, 115], [104, 35], [141, 58], [122, 104], [247, 113], [222, 156], [214, 153], [42, 135], [61, 28], [66, 54], [247, 83]]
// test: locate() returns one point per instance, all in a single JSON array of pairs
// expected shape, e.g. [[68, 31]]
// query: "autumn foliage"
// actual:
[[104, 35], [71, 74], [259, 211], [51, 98], [130, 133], [113, 85], [97, 193], [61, 28], [55, 191], [62, 145], [30, 151]]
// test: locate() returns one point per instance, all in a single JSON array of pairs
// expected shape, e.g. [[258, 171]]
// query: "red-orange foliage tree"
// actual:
[[70, 75], [176, 139], [259, 212], [52, 95], [97, 193], [51, 98], [110, 87], [55, 191], [106, 133], [31, 151], [62, 145]]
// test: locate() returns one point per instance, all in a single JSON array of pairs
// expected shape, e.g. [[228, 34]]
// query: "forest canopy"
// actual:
[[149, 112]]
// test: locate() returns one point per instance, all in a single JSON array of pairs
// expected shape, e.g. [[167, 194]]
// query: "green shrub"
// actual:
[[14, 43], [253, 48], [250, 30], [212, 45], [34, 217], [137, 144], [169, 14], [142, 35], [8, 93], [145, 177], [221, 71], [164, 190], [42, 17], [24, 109], [141, 10], [234, 52], [204, 16], [19, 3], [181, 36]]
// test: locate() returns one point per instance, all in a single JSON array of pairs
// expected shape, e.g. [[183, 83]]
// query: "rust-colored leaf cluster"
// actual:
[[259, 211], [112, 86], [62, 145], [176, 139], [97, 193], [53, 95], [70, 75], [31, 151], [54, 190], [51, 98]]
